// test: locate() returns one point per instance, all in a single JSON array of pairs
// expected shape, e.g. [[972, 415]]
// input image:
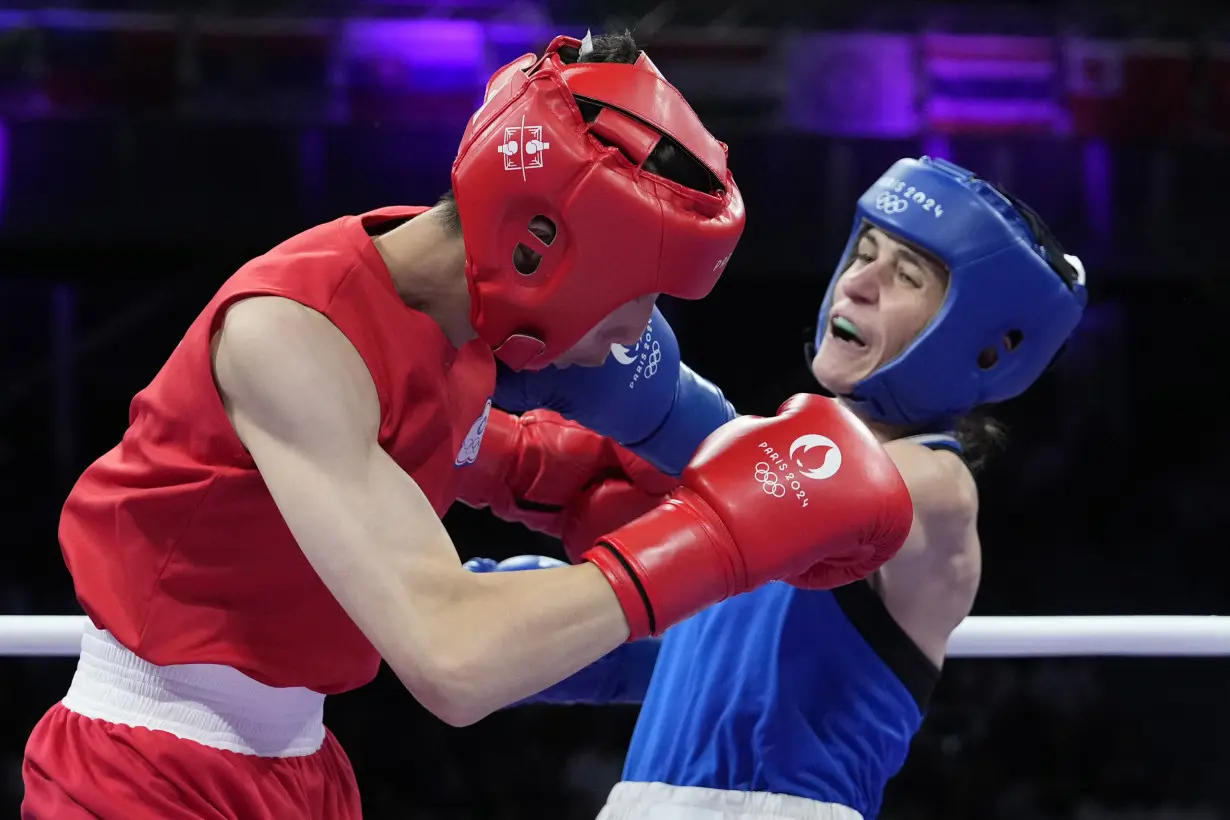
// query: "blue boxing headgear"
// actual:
[[1008, 279]]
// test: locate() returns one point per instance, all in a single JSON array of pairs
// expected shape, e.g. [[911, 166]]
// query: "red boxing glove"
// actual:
[[559, 478], [809, 495], [531, 467], [603, 508], [614, 502]]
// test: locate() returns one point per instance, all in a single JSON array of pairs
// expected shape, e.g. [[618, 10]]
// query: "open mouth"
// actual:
[[845, 331]]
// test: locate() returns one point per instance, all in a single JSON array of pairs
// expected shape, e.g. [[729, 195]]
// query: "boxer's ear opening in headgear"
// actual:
[[542, 232]]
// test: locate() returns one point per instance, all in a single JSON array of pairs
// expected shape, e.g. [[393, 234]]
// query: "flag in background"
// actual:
[[1218, 108], [1133, 88], [855, 85], [990, 85], [146, 63], [79, 49], [262, 68]]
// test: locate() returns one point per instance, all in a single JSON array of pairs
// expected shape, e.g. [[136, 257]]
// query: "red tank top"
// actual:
[[173, 541]]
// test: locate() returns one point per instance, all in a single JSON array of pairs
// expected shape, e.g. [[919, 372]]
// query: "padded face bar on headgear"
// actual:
[[1008, 279], [621, 232]]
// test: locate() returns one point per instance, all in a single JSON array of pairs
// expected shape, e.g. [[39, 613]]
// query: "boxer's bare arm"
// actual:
[[930, 584], [304, 405]]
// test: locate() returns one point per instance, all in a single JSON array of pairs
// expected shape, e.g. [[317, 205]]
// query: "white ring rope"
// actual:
[[977, 637], [57, 636]]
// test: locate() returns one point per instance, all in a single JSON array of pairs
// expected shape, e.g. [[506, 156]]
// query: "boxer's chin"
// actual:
[[837, 373], [583, 356], [563, 361]]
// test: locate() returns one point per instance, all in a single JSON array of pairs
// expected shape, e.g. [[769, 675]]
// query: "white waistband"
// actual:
[[661, 801], [213, 705]]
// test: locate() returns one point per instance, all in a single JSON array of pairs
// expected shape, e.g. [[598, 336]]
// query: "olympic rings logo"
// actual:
[[655, 358], [768, 480], [891, 203]]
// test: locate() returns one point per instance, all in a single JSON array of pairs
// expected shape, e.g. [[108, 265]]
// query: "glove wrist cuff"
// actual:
[[672, 562]]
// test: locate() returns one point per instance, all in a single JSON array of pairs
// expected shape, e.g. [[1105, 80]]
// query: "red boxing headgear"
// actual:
[[621, 232]]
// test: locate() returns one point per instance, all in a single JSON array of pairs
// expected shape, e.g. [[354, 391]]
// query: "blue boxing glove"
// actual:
[[515, 564], [643, 397], [621, 676]]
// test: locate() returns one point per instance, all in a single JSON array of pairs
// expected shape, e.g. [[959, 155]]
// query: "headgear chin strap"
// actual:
[[621, 232], [1012, 291]]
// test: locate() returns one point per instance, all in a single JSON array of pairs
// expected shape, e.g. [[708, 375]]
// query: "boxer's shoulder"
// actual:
[[273, 355], [942, 488], [262, 328], [929, 586]]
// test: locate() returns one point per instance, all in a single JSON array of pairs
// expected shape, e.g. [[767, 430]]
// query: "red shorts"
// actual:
[[132, 741], [78, 767]]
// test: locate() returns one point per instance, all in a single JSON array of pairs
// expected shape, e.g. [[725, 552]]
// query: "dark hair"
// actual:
[[668, 159], [450, 217], [981, 437]]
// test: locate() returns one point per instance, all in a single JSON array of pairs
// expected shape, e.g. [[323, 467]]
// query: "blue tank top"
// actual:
[[809, 693]]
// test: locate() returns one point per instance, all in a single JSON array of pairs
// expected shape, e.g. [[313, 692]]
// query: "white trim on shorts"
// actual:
[[661, 801], [216, 706]]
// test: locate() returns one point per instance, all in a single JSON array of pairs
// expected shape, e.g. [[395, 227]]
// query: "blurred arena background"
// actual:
[[148, 147]]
